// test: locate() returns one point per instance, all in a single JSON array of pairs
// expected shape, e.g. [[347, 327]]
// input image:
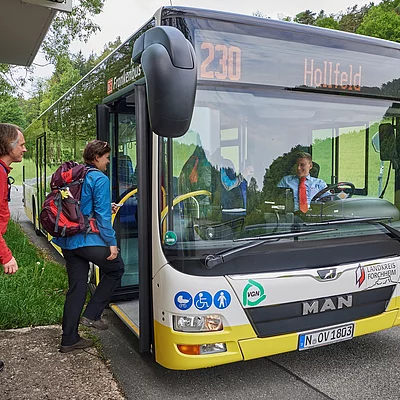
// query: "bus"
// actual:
[[206, 112]]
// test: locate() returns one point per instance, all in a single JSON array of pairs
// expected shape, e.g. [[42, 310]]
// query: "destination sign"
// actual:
[[229, 57]]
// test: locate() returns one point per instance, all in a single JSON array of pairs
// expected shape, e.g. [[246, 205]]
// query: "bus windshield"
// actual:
[[236, 173]]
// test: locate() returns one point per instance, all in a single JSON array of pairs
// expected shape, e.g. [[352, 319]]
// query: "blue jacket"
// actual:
[[95, 200]]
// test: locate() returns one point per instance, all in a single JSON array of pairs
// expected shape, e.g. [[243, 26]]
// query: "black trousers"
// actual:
[[77, 265]]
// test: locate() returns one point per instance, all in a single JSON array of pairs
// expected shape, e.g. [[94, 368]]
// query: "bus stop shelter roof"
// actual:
[[23, 26]]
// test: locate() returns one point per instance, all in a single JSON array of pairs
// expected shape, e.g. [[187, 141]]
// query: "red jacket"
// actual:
[[5, 252]]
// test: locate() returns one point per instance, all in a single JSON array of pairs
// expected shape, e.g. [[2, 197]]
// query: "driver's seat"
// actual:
[[314, 172]]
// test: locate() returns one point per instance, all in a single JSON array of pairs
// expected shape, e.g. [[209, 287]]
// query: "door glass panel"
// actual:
[[124, 176]]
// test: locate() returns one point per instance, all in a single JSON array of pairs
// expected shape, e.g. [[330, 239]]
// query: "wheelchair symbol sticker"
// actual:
[[183, 300], [203, 300], [222, 299]]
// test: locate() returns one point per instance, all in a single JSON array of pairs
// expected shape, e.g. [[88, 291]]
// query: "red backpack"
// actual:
[[61, 214]]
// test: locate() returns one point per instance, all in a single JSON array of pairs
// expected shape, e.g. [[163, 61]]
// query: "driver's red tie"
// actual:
[[303, 205]]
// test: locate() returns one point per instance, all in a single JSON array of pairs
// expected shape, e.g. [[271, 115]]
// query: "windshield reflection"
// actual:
[[240, 169]]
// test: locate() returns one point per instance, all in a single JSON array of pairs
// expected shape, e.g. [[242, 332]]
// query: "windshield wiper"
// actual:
[[376, 220], [393, 231], [348, 221], [213, 260]]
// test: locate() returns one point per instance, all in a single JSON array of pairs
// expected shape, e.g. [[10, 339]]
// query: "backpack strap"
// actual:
[[90, 221], [9, 182]]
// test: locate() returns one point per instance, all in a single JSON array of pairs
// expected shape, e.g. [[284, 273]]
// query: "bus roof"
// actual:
[[200, 13], [283, 25]]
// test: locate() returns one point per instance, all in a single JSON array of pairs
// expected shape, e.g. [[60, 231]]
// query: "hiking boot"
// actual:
[[91, 323], [1, 365], [80, 344]]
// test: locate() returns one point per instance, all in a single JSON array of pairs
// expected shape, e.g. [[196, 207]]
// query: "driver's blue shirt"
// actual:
[[313, 186]]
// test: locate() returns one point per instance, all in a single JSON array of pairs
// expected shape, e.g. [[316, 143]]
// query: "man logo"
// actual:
[[327, 304], [327, 274]]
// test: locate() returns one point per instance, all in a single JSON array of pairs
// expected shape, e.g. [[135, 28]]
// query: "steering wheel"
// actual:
[[334, 186]]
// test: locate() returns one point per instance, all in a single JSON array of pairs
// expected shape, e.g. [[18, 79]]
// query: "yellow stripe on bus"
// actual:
[[128, 322]]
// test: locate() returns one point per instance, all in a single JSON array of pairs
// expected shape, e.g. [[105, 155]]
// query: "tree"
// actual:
[[326, 21], [353, 18], [65, 28], [31, 107], [68, 27], [382, 21], [11, 112], [306, 17], [5, 86]]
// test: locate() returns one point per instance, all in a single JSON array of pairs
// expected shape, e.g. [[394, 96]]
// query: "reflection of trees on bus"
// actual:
[[196, 175]]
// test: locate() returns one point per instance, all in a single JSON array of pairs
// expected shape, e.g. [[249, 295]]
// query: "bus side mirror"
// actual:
[[387, 143], [169, 64]]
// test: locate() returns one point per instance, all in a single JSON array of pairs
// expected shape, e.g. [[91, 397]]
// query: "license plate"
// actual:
[[322, 337]]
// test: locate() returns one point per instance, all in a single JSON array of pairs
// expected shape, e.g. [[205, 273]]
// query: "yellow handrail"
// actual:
[[164, 212], [122, 201], [182, 197]]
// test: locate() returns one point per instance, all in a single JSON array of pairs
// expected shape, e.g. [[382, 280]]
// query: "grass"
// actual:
[[35, 294], [16, 173]]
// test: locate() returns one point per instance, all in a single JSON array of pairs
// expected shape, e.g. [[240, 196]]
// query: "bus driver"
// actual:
[[303, 185]]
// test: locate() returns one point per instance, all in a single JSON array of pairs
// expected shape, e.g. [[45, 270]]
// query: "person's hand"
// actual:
[[114, 253], [11, 267], [249, 171], [114, 207]]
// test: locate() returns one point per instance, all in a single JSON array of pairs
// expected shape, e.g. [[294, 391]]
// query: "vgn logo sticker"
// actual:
[[253, 294]]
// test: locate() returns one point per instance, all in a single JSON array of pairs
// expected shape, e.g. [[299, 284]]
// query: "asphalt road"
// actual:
[[365, 368]]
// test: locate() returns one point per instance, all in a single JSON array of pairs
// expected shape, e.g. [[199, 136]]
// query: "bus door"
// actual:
[[117, 125]]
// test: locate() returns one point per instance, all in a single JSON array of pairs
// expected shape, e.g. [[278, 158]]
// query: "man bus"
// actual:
[[201, 290]]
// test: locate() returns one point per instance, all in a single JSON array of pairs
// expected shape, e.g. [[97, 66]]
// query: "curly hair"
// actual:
[[8, 138]]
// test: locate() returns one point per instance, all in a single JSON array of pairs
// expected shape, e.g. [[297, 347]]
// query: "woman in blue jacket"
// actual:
[[99, 248]]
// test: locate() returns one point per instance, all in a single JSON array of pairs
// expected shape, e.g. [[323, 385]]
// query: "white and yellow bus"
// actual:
[[205, 112]]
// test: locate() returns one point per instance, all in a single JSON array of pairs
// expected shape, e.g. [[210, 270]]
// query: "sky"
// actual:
[[124, 17]]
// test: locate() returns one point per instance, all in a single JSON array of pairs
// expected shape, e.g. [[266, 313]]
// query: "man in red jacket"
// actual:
[[12, 149]]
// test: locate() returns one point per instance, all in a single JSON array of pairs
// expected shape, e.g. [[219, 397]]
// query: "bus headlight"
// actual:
[[200, 349], [197, 323]]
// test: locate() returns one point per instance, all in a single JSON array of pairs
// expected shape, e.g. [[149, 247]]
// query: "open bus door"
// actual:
[[116, 124]]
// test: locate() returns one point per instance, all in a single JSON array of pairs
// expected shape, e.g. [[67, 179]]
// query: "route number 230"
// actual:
[[229, 62]]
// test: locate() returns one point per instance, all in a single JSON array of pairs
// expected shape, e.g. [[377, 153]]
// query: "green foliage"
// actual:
[[349, 21], [31, 107], [5, 86], [10, 111], [327, 22], [352, 19], [68, 27], [306, 17], [382, 21], [35, 294]]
